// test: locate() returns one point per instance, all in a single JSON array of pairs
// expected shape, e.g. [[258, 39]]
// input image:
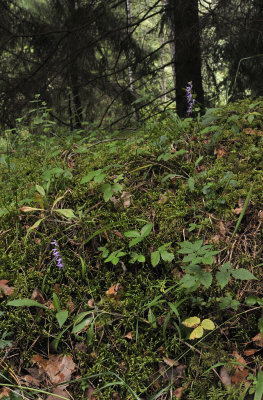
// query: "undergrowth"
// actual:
[[159, 234]]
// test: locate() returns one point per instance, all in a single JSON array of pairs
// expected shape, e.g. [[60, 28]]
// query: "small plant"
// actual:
[[199, 327], [113, 257], [161, 253], [138, 236]]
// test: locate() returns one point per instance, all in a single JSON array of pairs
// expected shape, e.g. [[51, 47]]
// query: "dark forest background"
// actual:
[[110, 63]]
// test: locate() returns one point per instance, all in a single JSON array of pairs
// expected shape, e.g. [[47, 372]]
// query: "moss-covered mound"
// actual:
[[149, 229]]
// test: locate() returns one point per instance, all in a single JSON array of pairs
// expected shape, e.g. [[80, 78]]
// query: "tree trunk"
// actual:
[[129, 59], [163, 77], [185, 20], [171, 39]]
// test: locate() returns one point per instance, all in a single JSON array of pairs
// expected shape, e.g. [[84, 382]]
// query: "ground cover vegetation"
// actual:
[[131, 263]]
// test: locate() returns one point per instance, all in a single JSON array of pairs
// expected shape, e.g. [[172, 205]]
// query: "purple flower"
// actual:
[[189, 97], [57, 255]]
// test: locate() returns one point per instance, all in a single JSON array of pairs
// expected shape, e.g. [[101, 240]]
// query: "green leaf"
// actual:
[[66, 212], [260, 324], [34, 226], [62, 316], [251, 300], [40, 190], [99, 178], [208, 324], [166, 256], [222, 278], [191, 183], [188, 281], [135, 241], [132, 234], [88, 177], [25, 303], [205, 278], [196, 333], [259, 386], [191, 322], [82, 325], [56, 302], [146, 229], [155, 258], [107, 191], [243, 274], [250, 118]]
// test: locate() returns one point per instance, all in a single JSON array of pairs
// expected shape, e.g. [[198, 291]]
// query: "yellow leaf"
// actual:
[[208, 324], [191, 322], [196, 333]]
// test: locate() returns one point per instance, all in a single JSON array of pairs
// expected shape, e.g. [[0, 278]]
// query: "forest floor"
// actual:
[[131, 267]]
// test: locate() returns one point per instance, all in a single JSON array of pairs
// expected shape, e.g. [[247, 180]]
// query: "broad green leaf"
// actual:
[[82, 325], [196, 333], [135, 241], [88, 177], [188, 281], [132, 234], [81, 316], [62, 316], [260, 324], [99, 178], [107, 191], [243, 274], [146, 229], [251, 300], [250, 118], [191, 322], [66, 212], [205, 278], [155, 258], [222, 278], [166, 256], [25, 303], [191, 183], [208, 324], [259, 386], [56, 302], [116, 187], [41, 190]]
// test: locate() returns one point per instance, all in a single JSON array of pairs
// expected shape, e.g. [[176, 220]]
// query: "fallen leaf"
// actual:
[[239, 359], [250, 352], [58, 368], [116, 396], [4, 288], [258, 339], [260, 215], [178, 393], [38, 296], [221, 152], [59, 391], [170, 362], [129, 336], [126, 196], [91, 303], [5, 392], [119, 234], [240, 376], [30, 380], [225, 377], [114, 291]]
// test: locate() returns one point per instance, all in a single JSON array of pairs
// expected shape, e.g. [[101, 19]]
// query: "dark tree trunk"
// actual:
[[185, 20]]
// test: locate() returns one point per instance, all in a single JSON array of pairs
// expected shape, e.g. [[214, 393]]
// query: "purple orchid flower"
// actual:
[[189, 97], [57, 255]]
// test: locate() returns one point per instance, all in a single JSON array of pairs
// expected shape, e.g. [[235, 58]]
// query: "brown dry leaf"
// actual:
[[119, 234], [240, 376], [260, 215], [258, 339], [38, 296], [239, 359], [225, 377], [170, 362], [129, 336], [250, 131], [89, 393], [222, 228], [250, 352], [30, 380], [221, 152], [116, 396], [114, 291], [70, 304], [91, 303], [216, 238], [5, 392], [4, 288], [58, 368], [178, 393], [126, 196], [59, 391]]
